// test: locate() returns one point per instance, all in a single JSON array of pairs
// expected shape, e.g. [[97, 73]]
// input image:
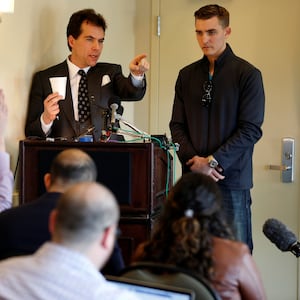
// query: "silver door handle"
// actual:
[[287, 160], [279, 168]]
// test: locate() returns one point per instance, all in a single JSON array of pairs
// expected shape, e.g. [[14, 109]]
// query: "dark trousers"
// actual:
[[237, 208]]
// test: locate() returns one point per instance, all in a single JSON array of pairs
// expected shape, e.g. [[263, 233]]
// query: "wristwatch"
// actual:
[[213, 163]]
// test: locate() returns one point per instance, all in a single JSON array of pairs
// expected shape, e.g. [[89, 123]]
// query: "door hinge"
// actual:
[[158, 26]]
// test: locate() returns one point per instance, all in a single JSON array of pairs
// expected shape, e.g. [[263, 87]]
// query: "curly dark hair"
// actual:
[[191, 217]]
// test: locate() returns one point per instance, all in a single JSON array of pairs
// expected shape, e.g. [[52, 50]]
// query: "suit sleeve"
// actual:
[[35, 108], [179, 125], [251, 115], [125, 88]]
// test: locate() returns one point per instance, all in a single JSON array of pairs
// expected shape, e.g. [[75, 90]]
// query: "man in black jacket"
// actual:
[[217, 116]]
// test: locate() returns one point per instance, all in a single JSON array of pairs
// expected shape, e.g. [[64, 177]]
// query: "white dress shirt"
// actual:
[[6, 182]]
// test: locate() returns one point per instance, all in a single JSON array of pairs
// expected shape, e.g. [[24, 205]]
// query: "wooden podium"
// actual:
[[137, 173]]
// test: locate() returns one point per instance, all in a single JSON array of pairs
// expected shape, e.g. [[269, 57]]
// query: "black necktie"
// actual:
[[83, 100]]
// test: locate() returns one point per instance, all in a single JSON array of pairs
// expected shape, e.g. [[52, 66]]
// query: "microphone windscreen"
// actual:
[[114, 106], [279, 234], [120, 110], [114, 100]]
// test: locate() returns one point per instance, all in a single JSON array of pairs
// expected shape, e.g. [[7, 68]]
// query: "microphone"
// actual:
[[114, 107], [281, 236], [114, 103]]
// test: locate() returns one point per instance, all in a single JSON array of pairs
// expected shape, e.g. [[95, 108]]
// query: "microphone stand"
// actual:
[[138, 133]]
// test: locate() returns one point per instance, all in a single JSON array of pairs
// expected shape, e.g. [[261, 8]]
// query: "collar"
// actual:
[[73, 69], [221, 59], [228, 51]]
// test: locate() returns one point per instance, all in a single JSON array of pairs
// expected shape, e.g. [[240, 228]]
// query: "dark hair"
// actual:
[[85, 15], [190, 219], [213, 10], [73, 165]]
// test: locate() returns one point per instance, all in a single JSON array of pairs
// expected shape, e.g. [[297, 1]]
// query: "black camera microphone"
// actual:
[[281, 236]]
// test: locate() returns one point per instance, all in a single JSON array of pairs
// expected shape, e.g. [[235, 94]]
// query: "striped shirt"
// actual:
[[55, 272]]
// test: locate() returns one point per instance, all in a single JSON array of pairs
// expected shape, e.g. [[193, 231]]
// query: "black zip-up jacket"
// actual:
[[230, 126]]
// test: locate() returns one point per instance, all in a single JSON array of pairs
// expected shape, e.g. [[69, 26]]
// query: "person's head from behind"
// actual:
[[85, 34], [85, 220], [190, 219], [212, 29], [195, 199], [68, 167]]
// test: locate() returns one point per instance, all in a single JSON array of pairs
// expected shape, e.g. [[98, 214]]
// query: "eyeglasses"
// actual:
[[206, 97]]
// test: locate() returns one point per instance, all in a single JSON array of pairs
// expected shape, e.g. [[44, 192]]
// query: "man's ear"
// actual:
[[47, 181], [227, 31], [108, 237], [71, 41], [52, 221]]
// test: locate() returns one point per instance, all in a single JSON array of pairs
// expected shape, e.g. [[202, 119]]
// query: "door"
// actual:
[[259, 36]]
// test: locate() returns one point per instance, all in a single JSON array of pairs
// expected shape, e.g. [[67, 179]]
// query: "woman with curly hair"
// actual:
[[192, 233]]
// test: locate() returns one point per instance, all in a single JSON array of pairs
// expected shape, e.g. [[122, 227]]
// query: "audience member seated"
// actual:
[[191, 233], [24, 229], [83, 229], [6, 177]]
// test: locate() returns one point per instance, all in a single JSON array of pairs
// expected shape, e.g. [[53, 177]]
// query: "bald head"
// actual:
[[83, 212], [71, 166]]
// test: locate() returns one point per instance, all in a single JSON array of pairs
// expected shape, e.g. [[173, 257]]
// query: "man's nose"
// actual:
[[205, 38], [96, 45]]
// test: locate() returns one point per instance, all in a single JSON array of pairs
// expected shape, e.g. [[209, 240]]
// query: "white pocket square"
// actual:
[[105, 80]]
